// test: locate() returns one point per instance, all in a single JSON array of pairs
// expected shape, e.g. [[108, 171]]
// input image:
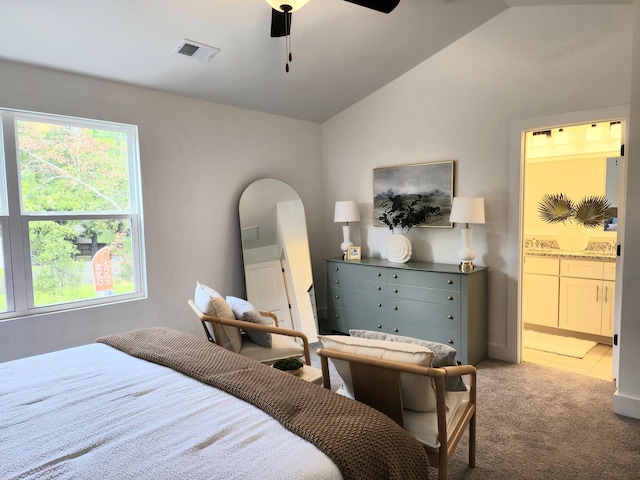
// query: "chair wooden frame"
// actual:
[[376, 382], [215, 323]]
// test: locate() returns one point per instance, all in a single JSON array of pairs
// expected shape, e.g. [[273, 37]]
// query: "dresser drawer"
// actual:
[[357, 302], [431, 295], [342, 320], [374, 287], [359, 271], [434, 280], [440, 335], [424, 314]]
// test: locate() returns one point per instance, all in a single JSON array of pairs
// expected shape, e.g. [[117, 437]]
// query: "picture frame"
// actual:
[[354, 252], [418, 195]]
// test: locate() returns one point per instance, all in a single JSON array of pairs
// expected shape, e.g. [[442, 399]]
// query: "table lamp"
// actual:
[[346, 211], [467, 210]]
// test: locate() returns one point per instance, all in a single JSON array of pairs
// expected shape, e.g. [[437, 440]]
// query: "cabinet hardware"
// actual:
[[395, 290], [449, 298], [337, 297], [337, 268], [450, 317], [378, 288], [378, 274], [395, 330], [606, 294], [395, 276], [337, 316], [337, 281], [379, 326], [597, 293], [379, 305], [450, 282], [450, 342], [395, 308]]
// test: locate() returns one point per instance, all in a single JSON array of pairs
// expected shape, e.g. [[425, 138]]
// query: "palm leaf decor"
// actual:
[[591, 211], [556, 208]]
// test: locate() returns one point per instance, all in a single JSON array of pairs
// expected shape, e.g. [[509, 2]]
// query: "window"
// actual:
[[70, 213]]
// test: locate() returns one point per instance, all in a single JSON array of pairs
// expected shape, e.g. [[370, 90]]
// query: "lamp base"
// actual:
[[466, 267]]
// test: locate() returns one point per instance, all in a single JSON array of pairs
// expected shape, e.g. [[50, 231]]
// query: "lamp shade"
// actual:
[[346, 211], [294, 4], [467, 210]]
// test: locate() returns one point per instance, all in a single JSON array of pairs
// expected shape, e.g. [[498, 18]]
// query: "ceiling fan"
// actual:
[[281, 11]]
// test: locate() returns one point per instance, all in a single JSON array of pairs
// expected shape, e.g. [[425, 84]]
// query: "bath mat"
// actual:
[[567, 346]]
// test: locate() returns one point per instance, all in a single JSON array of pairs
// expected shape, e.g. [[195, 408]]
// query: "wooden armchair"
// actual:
[[376, 382], [283, 343]]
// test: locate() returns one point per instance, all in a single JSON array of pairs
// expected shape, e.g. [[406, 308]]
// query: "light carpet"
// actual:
[[567, 346]]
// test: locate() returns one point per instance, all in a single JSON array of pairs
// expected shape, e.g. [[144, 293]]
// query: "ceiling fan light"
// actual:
[[294, 4]]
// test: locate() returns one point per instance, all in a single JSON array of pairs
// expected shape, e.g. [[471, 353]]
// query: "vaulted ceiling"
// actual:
[[341, 52]]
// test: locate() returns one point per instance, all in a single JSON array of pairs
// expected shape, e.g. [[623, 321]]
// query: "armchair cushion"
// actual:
[[418, 391], [244, 310], [212, 303], [282, 346], [445, 355]]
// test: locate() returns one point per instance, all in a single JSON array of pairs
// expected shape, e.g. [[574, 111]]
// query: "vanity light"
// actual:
[[561, 137], [615, 129], [540, 138], [594, 133], [467, 210], [346, 211]]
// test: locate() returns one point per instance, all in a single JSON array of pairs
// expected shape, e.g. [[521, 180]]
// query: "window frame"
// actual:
[[15, 222]]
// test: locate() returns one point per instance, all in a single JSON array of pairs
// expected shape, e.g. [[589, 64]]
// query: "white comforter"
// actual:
[[95, 412]]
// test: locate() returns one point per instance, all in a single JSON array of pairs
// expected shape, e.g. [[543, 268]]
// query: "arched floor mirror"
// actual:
[[275, 249]]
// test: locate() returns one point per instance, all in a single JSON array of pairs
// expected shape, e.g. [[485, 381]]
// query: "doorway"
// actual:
[[568, 244]]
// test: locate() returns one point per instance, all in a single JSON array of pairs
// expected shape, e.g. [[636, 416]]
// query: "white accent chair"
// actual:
[[377, 383]]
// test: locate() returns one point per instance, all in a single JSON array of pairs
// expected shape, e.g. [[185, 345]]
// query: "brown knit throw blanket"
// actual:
[[361, 441]]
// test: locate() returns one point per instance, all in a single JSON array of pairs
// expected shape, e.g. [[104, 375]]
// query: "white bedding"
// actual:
[[95, 412]]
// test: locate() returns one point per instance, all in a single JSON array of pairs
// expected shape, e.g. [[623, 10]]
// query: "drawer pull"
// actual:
[[379, 305], [395, 276], [378, 288], [395, 308], [449, 298], [337, 268], [450, 317], [337, 281], [450, 342], [450, 282], [337, 297], [395, 330], [378, 274], [379, 326], [395, 290], [337, 316]]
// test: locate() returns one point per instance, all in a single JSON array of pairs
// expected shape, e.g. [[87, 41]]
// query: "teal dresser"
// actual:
[[431, 301]]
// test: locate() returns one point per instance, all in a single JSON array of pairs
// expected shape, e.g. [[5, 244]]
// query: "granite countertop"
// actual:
[[583, 255]]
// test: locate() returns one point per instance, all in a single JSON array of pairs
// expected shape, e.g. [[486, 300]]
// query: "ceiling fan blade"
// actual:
[[384, 6], [280, 24]]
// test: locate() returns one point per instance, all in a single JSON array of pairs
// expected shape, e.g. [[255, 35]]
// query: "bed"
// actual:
[[157, 403]]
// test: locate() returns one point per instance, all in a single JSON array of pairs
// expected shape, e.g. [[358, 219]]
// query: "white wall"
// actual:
[[196, 159], [459, 105]]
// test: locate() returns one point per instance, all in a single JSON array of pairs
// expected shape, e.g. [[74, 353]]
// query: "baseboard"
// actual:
[[627, 406]]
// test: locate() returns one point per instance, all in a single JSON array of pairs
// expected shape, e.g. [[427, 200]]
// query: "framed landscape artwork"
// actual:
[[413, 195]]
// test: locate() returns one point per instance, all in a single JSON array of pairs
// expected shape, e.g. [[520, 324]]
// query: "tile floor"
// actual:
[[596, 363]]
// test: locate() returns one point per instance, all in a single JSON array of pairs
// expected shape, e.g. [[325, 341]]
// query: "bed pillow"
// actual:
[[212, 303], [418, 391], [244, 310], [445, 355]]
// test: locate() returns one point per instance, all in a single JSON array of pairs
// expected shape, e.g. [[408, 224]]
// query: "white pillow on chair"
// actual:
[[418, 391], [212, 303]]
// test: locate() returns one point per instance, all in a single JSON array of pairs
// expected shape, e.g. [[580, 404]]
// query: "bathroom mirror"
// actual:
[[611, 192], [275, 249]]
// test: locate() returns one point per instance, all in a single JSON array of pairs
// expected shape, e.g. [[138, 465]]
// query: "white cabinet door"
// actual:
[[540, 299], [581, 305], [607, 308]]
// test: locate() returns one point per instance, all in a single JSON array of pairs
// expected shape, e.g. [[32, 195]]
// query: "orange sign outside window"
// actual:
[[102, 275]]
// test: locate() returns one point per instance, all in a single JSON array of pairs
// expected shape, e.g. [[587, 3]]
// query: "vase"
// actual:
[[398, 248], [573, 238]]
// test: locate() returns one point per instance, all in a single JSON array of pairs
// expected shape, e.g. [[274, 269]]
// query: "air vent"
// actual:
[[197, 51]]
